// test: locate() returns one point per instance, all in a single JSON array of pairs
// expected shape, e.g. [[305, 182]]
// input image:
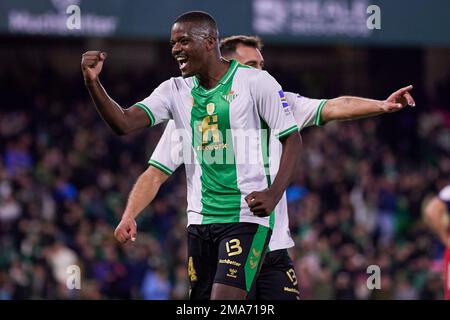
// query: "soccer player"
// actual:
[[437, 216], [277, 279], [212, 100]]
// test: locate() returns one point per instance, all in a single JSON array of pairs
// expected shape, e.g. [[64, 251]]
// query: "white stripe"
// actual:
[[250, 177]]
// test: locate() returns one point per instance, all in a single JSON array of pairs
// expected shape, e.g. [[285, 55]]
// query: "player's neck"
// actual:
[[213, 73]]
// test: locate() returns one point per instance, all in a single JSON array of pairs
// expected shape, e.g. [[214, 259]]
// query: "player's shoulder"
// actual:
[[254, 78], [444, 194], [176, 83], [247, 72], [291, 95]]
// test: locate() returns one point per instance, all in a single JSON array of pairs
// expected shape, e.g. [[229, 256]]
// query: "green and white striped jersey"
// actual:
[[226, 131], [168, 156]]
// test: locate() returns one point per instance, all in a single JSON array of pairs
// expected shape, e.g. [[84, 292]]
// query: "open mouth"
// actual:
[[182, 62]]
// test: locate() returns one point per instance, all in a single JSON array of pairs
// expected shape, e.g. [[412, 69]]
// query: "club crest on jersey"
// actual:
[[284, 102], [210, 108], [230, 96]]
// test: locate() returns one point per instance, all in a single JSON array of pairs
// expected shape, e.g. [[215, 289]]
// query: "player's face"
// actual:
[[249, 56], [188, 48]]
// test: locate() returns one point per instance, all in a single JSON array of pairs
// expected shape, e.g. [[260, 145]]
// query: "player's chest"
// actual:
[[222, 106]]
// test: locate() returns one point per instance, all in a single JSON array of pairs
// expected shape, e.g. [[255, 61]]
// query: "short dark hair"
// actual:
[[228, 45], [204, 19]]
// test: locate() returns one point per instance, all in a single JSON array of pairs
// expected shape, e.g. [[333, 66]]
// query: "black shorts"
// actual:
[[277, 279], [228, 253]]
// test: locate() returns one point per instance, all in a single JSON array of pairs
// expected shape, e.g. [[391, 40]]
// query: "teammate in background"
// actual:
[[437, 216], [277, 279], [229, 210], [307, 112]]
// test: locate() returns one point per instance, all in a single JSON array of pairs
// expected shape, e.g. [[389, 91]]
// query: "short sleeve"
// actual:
[[273, 106], [157, 104], [306, 111], [167, 155]]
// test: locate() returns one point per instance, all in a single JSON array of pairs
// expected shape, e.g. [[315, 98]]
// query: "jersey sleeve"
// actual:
[[444, 194], [273, 106], [157, 104], [167, 155], [306, 111]]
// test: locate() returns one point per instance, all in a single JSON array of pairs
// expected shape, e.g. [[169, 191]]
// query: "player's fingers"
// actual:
[[92, 53], [117, 232], [392, 106], [123, 233], [90, 62], [102, 55], [250, 197], [90, 56], [133, 232], [253, 199], [403, 90], [410, 99], [120, 237], [257, 209], [261, 213], [254, 203]]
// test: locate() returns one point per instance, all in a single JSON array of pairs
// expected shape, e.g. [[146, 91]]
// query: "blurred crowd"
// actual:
[[64, 179]]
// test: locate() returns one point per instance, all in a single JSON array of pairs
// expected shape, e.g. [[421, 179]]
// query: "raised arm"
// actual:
[[142, 194], [122, 121], [349, 108]]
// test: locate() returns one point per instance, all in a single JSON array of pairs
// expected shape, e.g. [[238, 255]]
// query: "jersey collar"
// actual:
[[227, 77]]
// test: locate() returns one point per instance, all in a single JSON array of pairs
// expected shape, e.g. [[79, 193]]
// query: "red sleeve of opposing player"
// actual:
[[447, 274]]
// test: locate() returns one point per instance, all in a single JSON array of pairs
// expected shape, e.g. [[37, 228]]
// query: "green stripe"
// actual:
[[318, 120], [265, 155], [218, 166], [147, 111], [160, 166], [255, 255], [245, 66], [194, 79], [230, 73], [287, 132]]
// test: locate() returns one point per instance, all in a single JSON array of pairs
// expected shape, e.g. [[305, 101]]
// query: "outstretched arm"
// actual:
[[349, 108], [435, 215], [122, 121], [143, 192]]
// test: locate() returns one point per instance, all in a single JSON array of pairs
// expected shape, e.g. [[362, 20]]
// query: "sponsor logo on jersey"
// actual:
[[292, 290], [232, 273], [231, 262], [256, 253]]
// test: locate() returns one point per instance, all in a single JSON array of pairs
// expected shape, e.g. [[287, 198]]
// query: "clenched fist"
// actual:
[[91, 64], [261, 203], [126, 230]]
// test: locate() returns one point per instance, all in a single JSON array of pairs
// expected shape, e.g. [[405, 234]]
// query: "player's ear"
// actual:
[[210, 43]]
